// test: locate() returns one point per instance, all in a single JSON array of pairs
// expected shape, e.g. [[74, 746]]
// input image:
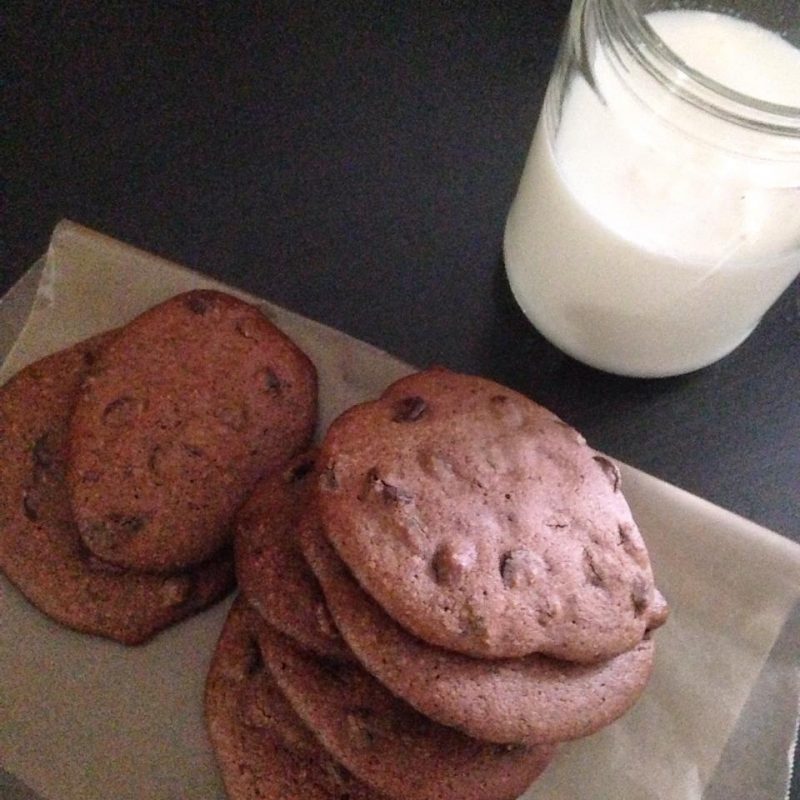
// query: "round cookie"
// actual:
[[532, 699], [262, 749], [185, 410], [484, 524], [40, 550], [386, 743], [270, 569]]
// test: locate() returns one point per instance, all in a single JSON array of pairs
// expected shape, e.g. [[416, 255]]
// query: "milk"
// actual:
[[642, 249]]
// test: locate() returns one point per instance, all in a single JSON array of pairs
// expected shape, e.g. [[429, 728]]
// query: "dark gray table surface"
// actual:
[[355, 162]]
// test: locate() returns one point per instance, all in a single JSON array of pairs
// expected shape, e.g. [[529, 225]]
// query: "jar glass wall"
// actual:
[[658, 215]]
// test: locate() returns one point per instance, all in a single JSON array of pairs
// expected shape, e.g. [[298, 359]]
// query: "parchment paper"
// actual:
[[82, 718]]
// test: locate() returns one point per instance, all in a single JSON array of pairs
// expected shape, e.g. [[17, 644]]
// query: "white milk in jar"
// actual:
[[648, 235]]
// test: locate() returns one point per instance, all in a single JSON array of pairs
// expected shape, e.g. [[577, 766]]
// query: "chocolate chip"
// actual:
[[549, 608], [511, 413], [472, 622], [393, 494], [390, 493], [175, 590], [611, 470], [591, 570], [520, 568], [328, 480], [156, 459], [325, 622], [127, 524], [659, 611], [193, 450], [254, 661], [43, 451], [623, 533], [97, 534], [112, 532], [543, 617], [360, 728], [409, 409], [232, 416], [248, 328], [629, 544], [639, 595], [452, 561], [506, 561], [435, 464], [30, 506], [302, 470], [372, 483], [198, 302], [121, 412], [272, 382]]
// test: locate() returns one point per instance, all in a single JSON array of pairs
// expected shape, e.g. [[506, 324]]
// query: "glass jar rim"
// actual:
[[689, 84]]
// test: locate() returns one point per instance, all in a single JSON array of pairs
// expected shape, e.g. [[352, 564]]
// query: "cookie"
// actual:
[[262, 749], [484, 524], [387, 744], [191, 404], [40, 550], [532, 699], [270, 569]]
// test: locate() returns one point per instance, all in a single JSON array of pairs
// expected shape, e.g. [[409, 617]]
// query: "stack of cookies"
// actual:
[[451, 586], [125, 458]]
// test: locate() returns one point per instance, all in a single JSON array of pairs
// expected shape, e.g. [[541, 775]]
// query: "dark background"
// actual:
[[355, 162]]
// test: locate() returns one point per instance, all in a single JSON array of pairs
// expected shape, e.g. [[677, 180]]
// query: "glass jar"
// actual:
[[658, 214]]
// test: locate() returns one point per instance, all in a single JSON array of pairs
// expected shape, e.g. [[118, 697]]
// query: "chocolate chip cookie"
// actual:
[[192, 403], [40, 550], [484, 524], [531, 699], [387, 744], [270, 569], [263, 750]]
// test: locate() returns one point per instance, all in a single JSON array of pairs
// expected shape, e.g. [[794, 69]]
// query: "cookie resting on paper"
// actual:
[[192, 403], [528, 699], [40, 549], [270, 568], [262, 749], [386, 743]]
